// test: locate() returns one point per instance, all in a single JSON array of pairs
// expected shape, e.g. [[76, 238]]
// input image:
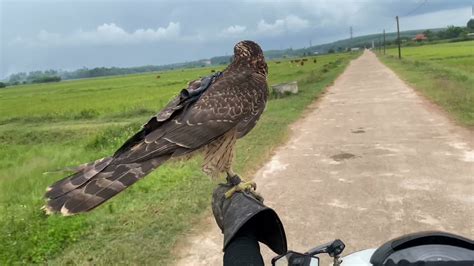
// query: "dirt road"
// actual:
[[371, 161]]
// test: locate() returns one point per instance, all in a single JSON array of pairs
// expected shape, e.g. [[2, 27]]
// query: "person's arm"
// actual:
[[245, 221], [243, 249]]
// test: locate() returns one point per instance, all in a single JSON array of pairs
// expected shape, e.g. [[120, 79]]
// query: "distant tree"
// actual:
[[2, 85], [454, 32], [428, 34], [51, 72], [441, 34], [46, 79], [16, 78], [331, 51], [450, 32], [32, 75], [470, 25]]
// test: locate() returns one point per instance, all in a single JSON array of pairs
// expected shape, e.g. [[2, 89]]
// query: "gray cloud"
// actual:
[[105, 34], [290, 23], [234, 30]]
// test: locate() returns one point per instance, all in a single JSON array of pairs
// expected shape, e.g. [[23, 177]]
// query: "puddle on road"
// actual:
[[343, 156], [358, 130]]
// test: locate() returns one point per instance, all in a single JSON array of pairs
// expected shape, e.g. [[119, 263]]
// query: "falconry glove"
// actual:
[[244, 209]]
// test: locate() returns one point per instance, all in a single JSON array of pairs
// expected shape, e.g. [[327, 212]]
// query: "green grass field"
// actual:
[[442, 72], [47, 127]]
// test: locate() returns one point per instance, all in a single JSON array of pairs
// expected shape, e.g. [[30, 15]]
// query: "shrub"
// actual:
[[46, 79], [86, 114]]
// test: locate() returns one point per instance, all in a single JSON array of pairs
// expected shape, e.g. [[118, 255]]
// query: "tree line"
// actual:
[[55, 76], [451, 32]]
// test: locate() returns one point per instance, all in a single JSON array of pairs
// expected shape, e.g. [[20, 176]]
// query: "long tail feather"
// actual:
[[82, 175], [96, 184]]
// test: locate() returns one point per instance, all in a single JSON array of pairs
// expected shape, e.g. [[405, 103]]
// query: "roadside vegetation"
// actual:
[[444, 73], [47, 127]]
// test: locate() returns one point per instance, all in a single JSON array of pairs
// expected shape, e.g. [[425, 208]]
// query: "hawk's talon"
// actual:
[[249, 186], [254, 185]]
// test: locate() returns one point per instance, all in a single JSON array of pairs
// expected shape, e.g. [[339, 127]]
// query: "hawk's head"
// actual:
[[247, 49], [249, 53]]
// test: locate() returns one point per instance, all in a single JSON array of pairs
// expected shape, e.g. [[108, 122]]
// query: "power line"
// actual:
[[416, 8], [389, 26]]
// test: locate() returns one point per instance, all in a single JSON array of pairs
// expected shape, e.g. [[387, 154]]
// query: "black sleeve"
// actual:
[[243, 248]]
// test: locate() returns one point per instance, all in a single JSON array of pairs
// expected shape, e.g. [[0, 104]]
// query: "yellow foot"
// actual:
[[249, 186]]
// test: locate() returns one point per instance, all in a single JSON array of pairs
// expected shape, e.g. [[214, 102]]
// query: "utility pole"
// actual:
[[383, 41], [380, 44], [398, 39], [350, 40]]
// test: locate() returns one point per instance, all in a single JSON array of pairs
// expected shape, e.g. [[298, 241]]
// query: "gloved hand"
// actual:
[[245, 212]]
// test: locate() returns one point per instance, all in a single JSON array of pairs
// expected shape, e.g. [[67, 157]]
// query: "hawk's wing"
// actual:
[[187, 97], [226, 104]]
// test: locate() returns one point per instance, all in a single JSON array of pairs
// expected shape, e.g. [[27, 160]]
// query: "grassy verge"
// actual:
[[141, 225], [444, 73]]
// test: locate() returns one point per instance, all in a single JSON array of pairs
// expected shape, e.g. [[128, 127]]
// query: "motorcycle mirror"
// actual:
[[333, 248], [295, 259]]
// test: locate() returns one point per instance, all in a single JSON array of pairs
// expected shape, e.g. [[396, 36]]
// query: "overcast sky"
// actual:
[[61, 34]]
